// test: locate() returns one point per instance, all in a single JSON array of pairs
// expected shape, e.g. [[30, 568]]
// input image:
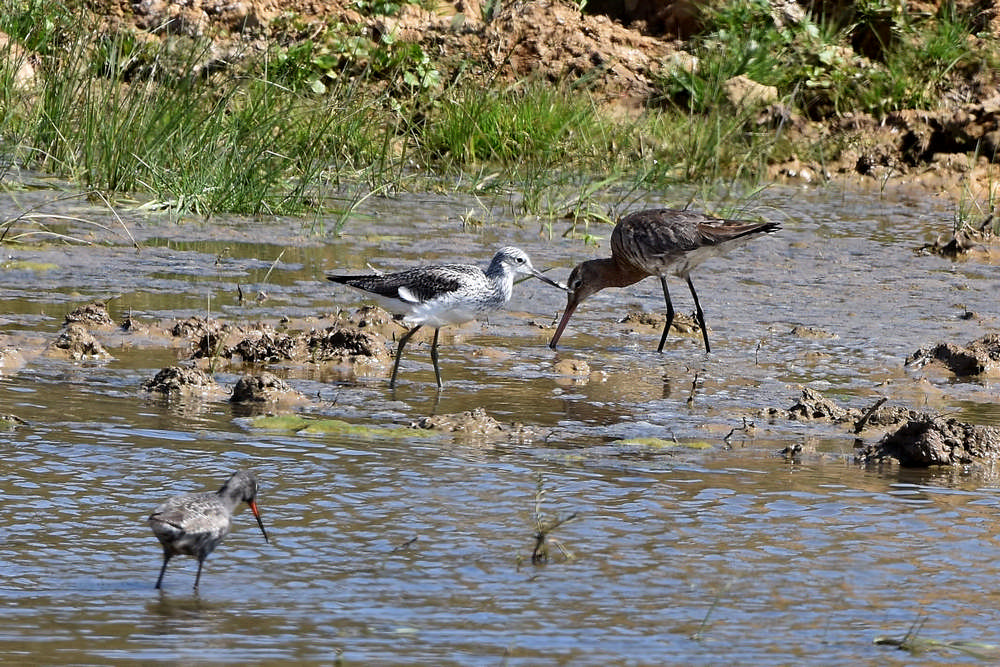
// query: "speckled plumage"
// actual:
[[444, 294], [658, 242], [194, 524]]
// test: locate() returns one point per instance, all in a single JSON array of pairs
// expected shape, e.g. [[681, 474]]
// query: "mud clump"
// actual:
[[196, 328], [919, 439], [265, 345], [10, 359], [346, 345], [78, 344], [92, 315], [813, 406], [928, 441], [471, 422], [180, 380], [682, 324], [476, 426], [372, 317], [978, 357], [812, 333], [572, 368], [263, 388]]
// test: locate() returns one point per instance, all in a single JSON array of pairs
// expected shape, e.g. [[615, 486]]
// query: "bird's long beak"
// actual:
[[545, 279], [571, 304], [256, 513]]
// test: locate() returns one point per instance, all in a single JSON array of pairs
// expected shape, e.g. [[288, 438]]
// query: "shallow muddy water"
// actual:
[[416, 549]]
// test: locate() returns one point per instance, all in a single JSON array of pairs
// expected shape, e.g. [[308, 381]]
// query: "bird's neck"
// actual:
[[616, 274]]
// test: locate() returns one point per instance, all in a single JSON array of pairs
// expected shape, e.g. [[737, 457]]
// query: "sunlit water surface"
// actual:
[[417, 550]]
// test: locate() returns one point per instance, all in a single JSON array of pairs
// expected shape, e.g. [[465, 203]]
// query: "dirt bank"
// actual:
[[619, 49]]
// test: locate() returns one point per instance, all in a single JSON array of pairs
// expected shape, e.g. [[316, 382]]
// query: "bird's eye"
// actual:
[[520, 260]]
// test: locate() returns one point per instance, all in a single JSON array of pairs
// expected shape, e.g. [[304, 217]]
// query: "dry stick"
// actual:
[[273, 264], [694, 389], [118, 218], [27, 215], [868, 415]]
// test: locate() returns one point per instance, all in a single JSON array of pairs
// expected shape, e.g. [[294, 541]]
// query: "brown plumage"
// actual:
[[658, 242]]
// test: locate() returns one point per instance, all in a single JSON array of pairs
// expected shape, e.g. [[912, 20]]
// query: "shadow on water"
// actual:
[[695, 541]]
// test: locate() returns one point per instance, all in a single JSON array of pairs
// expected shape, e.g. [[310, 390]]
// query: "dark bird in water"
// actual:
[[194, 524], [658, 242]]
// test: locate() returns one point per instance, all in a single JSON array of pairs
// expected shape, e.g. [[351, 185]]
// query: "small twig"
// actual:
[[540, 552], [746, 428], [694, 389], [860, 424], [405, 545], [273, 264]]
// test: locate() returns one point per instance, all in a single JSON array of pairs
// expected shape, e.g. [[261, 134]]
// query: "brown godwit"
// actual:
[[658, 242], [195, 523], [444, 294]]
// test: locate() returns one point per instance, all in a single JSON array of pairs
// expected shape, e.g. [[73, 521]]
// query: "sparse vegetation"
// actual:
[[299, 127], [544, 526]]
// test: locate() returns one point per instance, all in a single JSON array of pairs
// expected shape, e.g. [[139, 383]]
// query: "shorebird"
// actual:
[[195, 523], [658, 242], [444, 294]]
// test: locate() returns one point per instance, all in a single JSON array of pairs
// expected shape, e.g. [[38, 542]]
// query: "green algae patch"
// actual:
[[660, 443], [306, 426], [25, 265]]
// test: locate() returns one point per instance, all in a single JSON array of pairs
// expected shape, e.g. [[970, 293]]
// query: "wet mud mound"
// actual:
[[979, 357], [355, 341], [265, 345], [683, 324], [179, 380], [264, 388], [11, 360], [93, 314], [476, 425], [344, 345], [77, 343], [813, 406], [910, 438], [471, 422], [931, 441]]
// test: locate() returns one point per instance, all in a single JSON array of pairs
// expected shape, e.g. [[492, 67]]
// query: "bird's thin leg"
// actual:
[[434, 358], [670, 313], [701, 315], [399, 354], [159, 580], [197, 577]]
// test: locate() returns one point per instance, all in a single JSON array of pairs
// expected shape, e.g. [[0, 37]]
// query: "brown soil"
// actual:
[[265, 388], [78, 343], [979, 357], [182, 380], [929, 441], [619, 49]]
